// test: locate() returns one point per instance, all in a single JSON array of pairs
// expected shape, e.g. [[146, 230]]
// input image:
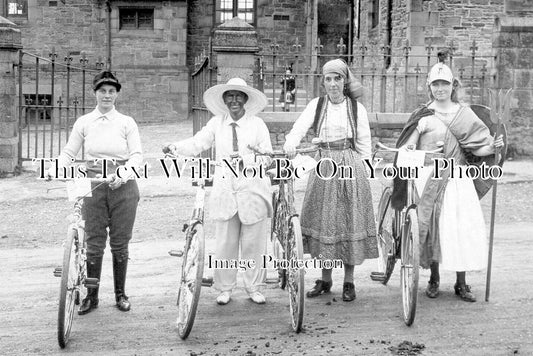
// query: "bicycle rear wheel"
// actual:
[[410, 254], [294, 252], [192, 270], [386, 241], [70, 282]]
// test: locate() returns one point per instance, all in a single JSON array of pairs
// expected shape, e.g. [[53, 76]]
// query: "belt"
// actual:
[[336, 145]]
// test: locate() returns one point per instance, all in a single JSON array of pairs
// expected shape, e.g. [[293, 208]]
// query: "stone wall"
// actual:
[[151, 64], [278, 21], [513, 46]]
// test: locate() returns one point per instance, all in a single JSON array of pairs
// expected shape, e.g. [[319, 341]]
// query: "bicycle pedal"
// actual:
[[185, 227], [377, 277], [92, 283], [58, 271], [207, 281], [175, 253]]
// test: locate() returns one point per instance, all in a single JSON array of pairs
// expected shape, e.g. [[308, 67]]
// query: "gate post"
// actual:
[[234, 45], [10, 44]]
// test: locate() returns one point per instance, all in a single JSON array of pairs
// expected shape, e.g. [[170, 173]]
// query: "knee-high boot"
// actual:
[[120, 267], [94, 270]]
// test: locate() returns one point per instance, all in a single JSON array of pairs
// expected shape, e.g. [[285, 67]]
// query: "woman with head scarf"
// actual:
[[451, 224], [337, 216], [240, 206]]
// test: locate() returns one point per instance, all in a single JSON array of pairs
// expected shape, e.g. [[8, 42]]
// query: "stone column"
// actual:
[[10, 44], [513, 48], [234, 45]]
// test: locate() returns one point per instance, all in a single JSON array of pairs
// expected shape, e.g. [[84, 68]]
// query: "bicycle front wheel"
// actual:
[[70, 282], [385, 235], [294, 252], [410, 255], [277, 247], [192, 270]]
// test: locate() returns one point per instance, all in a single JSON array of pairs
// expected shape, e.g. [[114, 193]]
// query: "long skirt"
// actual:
[[337, 216], [462, 232]]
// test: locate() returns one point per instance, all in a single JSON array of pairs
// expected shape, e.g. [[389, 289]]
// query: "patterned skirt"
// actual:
[[337, 216]]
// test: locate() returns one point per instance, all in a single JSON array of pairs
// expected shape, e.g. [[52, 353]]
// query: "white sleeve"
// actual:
[[302, 124], [201, 141], [363, 143]]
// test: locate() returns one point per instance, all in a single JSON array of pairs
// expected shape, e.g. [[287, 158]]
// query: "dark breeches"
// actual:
[[113, 209]]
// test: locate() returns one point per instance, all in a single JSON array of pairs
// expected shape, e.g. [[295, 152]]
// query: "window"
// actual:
[[136, 19], [228, 9], [17, 8]]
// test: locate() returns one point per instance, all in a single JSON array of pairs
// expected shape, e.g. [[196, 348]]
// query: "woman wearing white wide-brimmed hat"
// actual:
[[240, 206]]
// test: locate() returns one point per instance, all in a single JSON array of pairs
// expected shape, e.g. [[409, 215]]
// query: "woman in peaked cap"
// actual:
[[451, 223], [104, 133]]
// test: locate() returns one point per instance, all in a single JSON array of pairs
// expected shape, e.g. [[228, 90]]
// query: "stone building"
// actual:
[[154, 46]]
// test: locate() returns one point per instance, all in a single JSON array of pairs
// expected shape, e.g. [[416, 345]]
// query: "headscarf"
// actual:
[[354, 89]]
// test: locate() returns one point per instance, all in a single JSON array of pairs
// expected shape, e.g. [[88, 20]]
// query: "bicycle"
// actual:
[[192, 264], [286, 238], [397, 233], [73, 272]]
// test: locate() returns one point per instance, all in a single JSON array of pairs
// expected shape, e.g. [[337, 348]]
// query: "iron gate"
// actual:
[[51, 95], [393, 82]]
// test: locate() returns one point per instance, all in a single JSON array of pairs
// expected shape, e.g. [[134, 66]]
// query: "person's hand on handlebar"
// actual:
[[290, 149], [169, 148]]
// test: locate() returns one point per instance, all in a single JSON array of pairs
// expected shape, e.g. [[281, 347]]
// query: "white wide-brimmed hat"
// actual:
[[440, 71], [257, 101]]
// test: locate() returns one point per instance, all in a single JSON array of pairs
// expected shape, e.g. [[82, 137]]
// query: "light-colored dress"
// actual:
[[462, 234]]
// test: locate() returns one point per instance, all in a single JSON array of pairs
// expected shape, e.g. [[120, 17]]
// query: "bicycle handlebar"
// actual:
[[281, 153], [382, 147]]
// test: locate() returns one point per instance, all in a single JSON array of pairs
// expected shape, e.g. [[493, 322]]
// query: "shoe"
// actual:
[[464, 292], [319, 288], [257, 297], [432, 290], [88, 304], [123, 304], [348, 292], [223, 298]]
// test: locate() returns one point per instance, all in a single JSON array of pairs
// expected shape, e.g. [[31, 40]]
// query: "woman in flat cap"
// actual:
[[337, 216], [104, 133]]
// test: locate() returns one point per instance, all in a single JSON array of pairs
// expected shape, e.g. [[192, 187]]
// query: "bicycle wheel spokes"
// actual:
[[386, 241], [191, 280], [70, 281], [294, 253], [409, 266], [278, 236]]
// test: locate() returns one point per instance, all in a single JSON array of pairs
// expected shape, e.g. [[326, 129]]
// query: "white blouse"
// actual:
[[335, 126]]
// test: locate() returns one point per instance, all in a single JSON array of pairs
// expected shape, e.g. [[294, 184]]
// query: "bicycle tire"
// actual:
[[277, 247], [295, 275], [410, 254], [192, 270], [385, 236], [70, 281]]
